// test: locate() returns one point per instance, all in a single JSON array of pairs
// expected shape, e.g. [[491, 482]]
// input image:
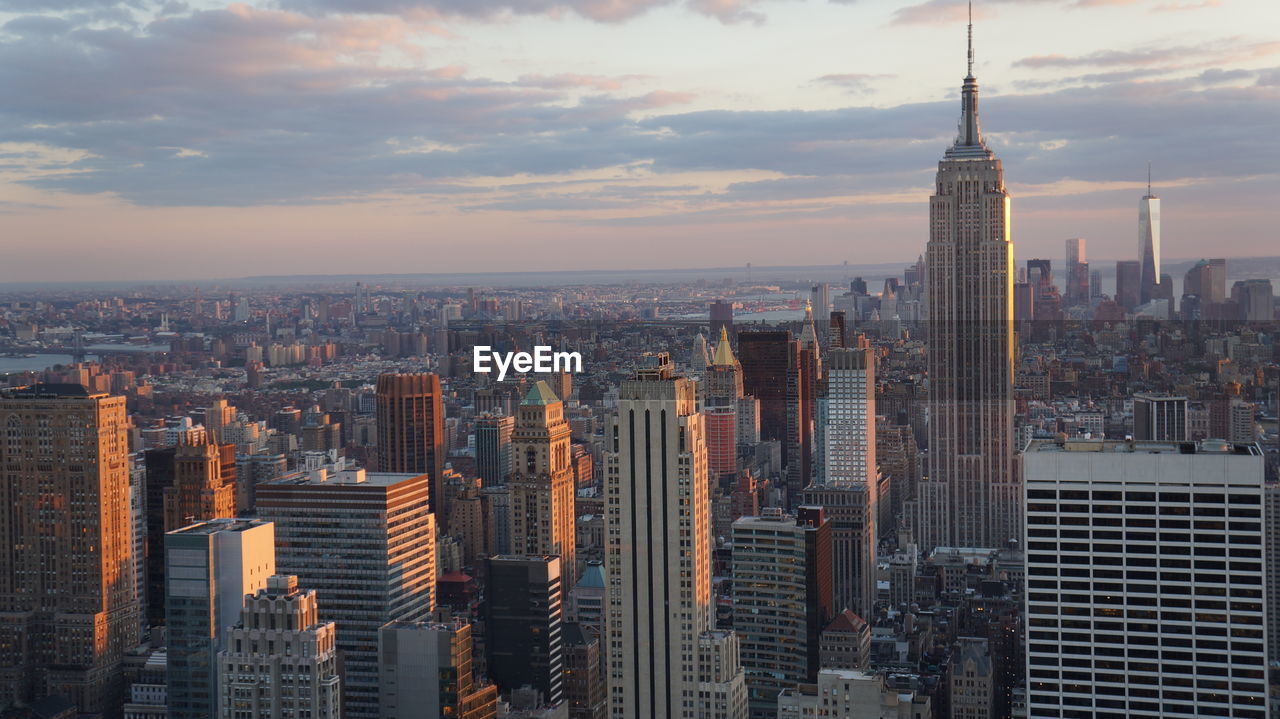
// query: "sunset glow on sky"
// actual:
[[172, 140]]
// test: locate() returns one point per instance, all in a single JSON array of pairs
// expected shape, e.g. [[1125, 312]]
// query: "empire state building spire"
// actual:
[[969, 141]]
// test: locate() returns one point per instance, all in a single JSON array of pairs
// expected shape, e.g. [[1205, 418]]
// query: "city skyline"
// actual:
[[967, 487], [287, 141]]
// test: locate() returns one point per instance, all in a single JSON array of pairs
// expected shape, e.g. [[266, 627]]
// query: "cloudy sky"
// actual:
[[152, 139]]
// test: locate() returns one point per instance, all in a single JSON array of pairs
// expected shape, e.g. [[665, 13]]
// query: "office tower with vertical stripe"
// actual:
[[658, 545]]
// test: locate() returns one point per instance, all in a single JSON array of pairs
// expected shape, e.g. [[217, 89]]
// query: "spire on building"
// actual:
[[724, 353], [969, 142], [699, 357], [808, 335], [970, 75]]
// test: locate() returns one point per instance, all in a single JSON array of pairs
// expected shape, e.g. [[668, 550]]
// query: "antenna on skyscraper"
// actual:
[[970, 38], [1148, 178]]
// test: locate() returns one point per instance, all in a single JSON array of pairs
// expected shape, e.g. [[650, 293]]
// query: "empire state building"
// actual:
[[971, 498]]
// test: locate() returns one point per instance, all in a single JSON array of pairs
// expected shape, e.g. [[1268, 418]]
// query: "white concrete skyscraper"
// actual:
[[1149, 242], [1146, 591], [657, 546], [973, 486], [847, 482]]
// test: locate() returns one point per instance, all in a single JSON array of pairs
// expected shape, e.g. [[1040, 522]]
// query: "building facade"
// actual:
[[69, 605], [781, 601], [969, 262], [541, 482], [1145, 582], [410, 412], [493, 448], [365, 541], [426, 670], [524, 613], [281, 660], [657, 545], [209, 568]]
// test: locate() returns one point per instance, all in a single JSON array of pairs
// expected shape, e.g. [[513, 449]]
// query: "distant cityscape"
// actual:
[[965, 487]]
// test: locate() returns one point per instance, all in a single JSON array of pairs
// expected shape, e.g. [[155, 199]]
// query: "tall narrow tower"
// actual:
[[658, 546], [1149, 241], [541, 485], [970, 287], [411, 430]]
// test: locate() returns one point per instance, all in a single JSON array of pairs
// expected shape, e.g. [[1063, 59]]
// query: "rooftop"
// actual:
[[540, 393], [1207, 446], [343, 478], [49, 390], [213, 526]]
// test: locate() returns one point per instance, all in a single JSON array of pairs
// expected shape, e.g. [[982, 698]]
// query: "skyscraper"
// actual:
[[820, 299], [1255, 298], [524, 612], [1145, 586], [365, 541], [411, 430], [846, 427], [722, 688], [281, 659], [493, 448], [722, 382], [722, 392], [970, 356], [781, 600], [1207, 279], [768, 359], [584, 686], [721, 318], [209, 568], [1077, 291], [1159, 418], [802, 392], [849, 508], [426, 671], [541, 483], [657, 546], [67, 587], [1128, 284], [1149, 243], [204, 485]]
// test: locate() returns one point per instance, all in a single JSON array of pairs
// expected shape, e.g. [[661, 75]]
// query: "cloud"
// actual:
[[251, 107], [579, 81], [855, 82], [950, 12], [610, 11], [23, 6], [1207, 54], [937, 12], [1176, 7]]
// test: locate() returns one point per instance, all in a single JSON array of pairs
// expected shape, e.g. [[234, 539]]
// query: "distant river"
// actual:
[[37, 363]]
